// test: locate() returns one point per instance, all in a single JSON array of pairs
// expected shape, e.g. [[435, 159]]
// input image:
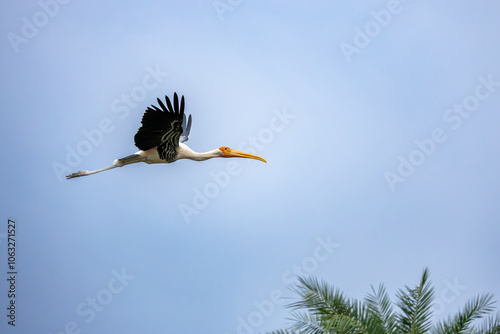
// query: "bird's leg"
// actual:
[[117, 163], [86, 172]]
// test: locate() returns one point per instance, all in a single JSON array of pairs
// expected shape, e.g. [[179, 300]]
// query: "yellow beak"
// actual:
[[239, 154]]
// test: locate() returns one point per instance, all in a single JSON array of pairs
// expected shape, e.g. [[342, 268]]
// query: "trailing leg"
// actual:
[[130, 159]]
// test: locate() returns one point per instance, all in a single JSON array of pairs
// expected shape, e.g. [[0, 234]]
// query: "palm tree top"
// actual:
[[322, 309]]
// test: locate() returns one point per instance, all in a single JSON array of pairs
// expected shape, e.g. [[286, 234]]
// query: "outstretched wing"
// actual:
[[162, 128]]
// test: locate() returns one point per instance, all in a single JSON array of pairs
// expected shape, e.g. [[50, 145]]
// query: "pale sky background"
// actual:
[[351, 119]]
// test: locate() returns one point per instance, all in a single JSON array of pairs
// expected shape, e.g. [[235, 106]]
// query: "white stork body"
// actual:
[[152, 156], [161, 140]]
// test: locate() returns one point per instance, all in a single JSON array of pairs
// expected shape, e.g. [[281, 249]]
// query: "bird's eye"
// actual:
[[225, 149]]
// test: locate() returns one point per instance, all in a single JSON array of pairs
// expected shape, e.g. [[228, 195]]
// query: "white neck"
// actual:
[[186, 153]]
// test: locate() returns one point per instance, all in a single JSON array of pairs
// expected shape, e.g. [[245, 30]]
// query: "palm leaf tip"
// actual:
[[319, 298], [474, 309], [380, 305], [490, 326], [416, 306]]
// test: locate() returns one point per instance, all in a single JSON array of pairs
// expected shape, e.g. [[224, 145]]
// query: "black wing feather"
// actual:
[[176, 104], [169, 104], [161, 128], [162, 105]]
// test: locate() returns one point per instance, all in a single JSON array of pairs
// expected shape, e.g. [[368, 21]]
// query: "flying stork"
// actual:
[[161, 139]]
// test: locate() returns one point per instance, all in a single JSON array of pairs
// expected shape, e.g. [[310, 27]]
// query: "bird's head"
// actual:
[[227, 152]]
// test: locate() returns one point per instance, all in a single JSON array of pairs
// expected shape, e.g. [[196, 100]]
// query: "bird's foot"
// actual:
[[77, 174]]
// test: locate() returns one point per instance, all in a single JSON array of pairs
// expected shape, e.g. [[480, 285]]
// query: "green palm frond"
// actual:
[[365, 319], [356, 321], [338, 324], [490, 326], [379, 303], [331, 311], [323, 309], [343, 324], [319, 298], [415, 305], [306, 323], [473, 310]]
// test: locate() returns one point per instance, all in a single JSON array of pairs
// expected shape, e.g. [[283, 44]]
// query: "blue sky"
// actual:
[[378, 119]]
